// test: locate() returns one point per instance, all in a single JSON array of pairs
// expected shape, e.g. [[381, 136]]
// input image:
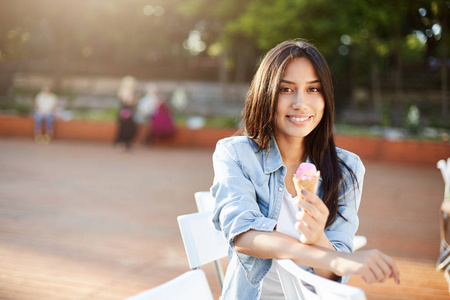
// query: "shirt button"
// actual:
[[280, 189]]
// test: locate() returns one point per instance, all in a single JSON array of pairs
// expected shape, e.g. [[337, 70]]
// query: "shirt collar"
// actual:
[[272, 158]]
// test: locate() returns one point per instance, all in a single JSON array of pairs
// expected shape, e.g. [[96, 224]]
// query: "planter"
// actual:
[[72, 130], [405, 151], [368, 148], [22, 126]]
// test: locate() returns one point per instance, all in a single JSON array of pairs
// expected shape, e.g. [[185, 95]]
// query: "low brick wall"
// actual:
[[404, 151], [368, 148], [71, 130]]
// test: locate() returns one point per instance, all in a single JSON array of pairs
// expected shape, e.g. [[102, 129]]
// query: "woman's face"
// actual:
[[300, 101]]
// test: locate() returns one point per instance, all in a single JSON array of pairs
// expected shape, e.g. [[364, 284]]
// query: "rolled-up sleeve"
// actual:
[[237, 210]]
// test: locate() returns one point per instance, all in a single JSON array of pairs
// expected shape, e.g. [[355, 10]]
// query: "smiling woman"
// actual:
[[300, 102], [288, 120]]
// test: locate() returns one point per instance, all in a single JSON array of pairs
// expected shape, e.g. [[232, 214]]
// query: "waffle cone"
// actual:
[[307, 184]]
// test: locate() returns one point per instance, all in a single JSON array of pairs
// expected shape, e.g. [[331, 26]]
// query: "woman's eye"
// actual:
[[285, 90], [314, 90]]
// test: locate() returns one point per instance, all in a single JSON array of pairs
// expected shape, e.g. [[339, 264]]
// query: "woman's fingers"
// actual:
[[308, 206], [375, 266], [314, 200], [385, 268], [380, 274], [395, 272], [308, 236], [308, 209], [316, 222], [310, 229]]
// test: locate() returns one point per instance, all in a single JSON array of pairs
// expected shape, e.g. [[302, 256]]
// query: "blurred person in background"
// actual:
[[162, 124], [288, 120], [45, 107], [126, 126], [144, 112]]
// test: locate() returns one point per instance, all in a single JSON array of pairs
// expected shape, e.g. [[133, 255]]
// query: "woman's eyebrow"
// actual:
[[287, 81], [314, 81], [308, 82]]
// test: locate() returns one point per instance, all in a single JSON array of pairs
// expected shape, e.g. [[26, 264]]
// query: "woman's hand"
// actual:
[[372, 265], [312, 218]]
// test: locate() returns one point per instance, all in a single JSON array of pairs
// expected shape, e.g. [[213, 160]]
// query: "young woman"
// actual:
[[126, 126], [288, 119]]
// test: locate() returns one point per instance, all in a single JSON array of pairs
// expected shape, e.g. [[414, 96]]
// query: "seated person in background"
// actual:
[[45, 106]]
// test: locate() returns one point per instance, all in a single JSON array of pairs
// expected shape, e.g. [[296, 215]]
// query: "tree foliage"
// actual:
[[98, 36]]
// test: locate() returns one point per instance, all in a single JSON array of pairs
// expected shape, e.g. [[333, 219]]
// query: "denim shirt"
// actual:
[[248, 189]]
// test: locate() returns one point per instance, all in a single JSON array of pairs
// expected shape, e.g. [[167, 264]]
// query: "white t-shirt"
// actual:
[[271, 286], [145, 108], [46, 103]]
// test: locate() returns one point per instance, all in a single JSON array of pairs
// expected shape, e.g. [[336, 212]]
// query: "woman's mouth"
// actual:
[[299, 119]]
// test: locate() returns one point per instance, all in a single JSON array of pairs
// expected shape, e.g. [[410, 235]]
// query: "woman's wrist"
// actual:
[[315, 256], [334, 263], [323, 241], [332, 254]]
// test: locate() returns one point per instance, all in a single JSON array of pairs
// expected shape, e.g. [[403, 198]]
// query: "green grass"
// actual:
[[211, 122], [109, 114], [358, 130]]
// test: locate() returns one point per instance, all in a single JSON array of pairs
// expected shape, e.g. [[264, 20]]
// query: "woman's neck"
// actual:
[[292, 154], [292, 151]]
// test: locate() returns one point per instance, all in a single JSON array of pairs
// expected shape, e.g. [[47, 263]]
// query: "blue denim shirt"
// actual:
[[248, 189]]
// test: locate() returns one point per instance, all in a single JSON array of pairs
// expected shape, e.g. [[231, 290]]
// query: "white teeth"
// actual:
[[300, 119]]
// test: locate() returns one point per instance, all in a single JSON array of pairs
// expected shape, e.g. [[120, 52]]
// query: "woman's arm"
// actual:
[[314, 214], [249, 232], [311, 224], [276, 245], [372, 265], [237, 209]]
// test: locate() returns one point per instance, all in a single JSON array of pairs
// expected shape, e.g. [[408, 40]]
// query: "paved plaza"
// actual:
[[89, 221]]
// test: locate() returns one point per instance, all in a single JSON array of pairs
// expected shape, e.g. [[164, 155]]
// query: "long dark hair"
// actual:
[[261, 105]]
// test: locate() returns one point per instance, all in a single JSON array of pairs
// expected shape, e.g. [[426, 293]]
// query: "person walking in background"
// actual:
[[45, 107], [288, 119], [126, 126], [144, 112]]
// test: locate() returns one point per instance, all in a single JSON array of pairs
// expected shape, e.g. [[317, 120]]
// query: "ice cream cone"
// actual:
[[307, 184], [307, 178]]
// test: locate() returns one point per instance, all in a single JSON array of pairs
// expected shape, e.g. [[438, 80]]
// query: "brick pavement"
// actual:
[[87, 221]]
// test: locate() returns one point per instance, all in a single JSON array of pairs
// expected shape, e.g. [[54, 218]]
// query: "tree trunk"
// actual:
[[375, 81], [398, 80], [351, 77], [241, 65], [223, 71]]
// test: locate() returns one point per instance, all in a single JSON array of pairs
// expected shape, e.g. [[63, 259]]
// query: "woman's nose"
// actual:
[[299, 100]]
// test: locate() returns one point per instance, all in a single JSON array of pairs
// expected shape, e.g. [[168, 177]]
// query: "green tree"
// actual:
[[359, 38], [93, 36]]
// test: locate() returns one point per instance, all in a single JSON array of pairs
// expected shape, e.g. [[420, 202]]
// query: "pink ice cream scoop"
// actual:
[[306, 177], [306, 171]]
